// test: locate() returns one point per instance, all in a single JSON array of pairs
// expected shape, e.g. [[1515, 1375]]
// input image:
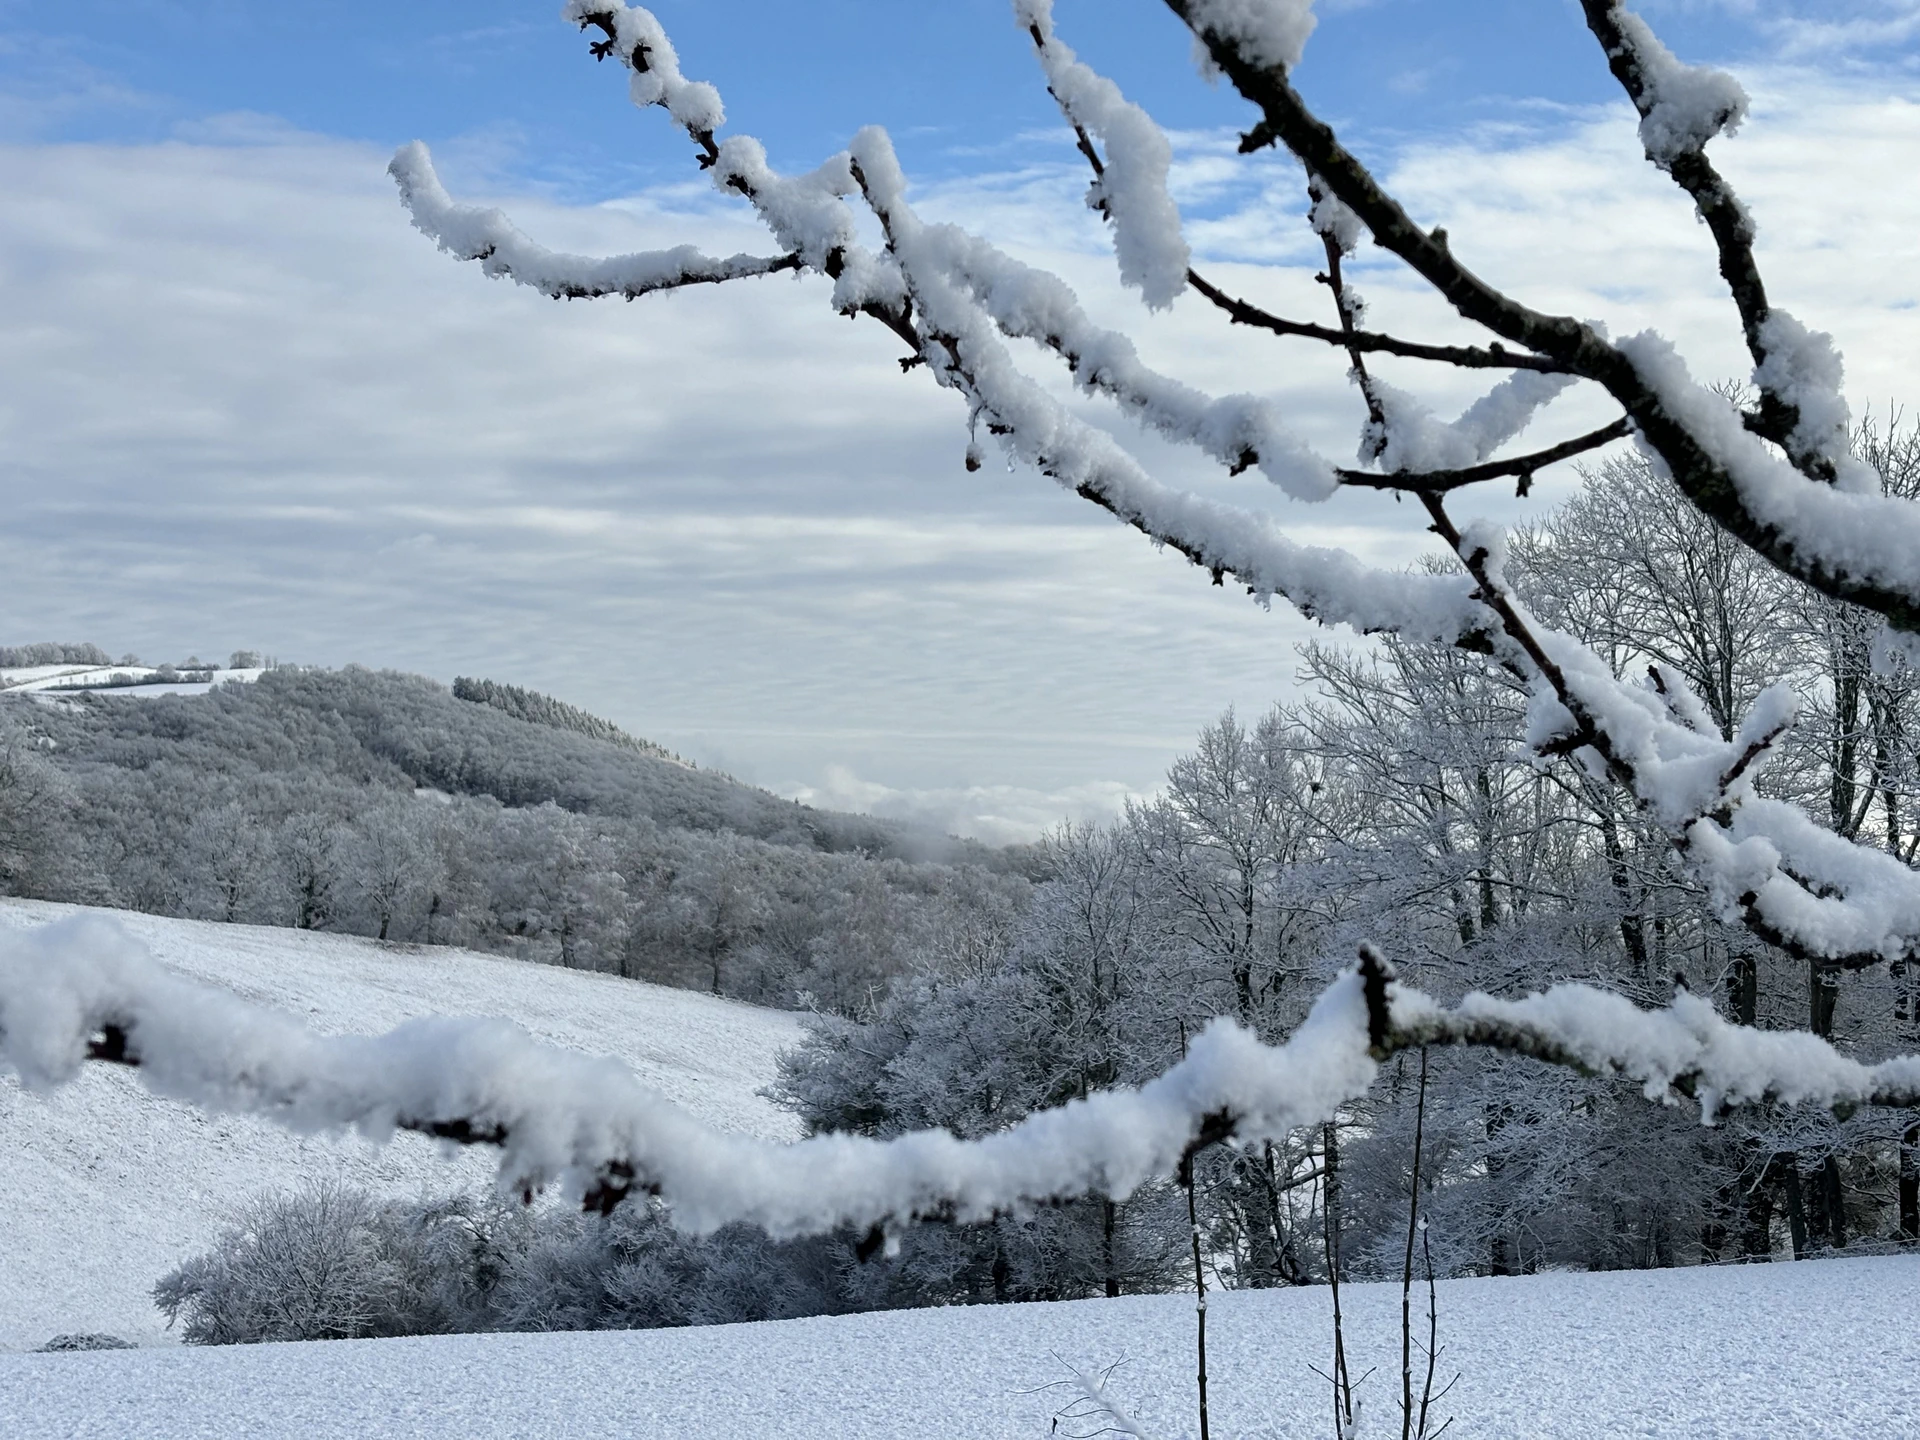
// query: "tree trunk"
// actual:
[[1823, 994], [1109, 1213], [1499, 1253], [1796, 1211], [1756, 1239], [1910, 1185], [1743, 987], [1833, 1202]]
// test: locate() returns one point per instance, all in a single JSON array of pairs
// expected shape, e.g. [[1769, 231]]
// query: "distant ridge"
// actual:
[[538, 709]]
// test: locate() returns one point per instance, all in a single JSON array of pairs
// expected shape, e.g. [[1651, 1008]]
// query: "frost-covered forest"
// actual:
[[384, 805]]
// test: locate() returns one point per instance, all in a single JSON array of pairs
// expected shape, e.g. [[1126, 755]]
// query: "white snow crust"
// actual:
[[1821, 1349], [35, 679], [108, 1186]]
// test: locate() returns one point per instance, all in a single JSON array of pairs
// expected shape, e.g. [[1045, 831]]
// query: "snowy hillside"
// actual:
[[109, 1187], [1815, 1350]]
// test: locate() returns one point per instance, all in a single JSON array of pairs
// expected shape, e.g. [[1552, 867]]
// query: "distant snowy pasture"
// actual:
[[107, 1187], [138, 680], [1813, 1350]]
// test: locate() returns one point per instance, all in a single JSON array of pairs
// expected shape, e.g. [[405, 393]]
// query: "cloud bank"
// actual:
[[241, 403]]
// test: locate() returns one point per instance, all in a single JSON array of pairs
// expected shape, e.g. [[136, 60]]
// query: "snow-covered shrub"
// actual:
[[328, 1262], [331, 1262], [85, 1340], [634, 1271]]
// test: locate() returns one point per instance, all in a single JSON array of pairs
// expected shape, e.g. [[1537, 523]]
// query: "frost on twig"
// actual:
[[1093, 1410], [83, 989]]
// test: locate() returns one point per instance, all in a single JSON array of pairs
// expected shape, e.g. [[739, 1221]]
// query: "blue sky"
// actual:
[[951, 78], [243, 404]]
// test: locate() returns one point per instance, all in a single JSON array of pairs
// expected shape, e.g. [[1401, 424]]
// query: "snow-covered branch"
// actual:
[[1025, 303], [468, 232], [1130, 186], [1853, 546], [1762, 862], [83, 989], [966, 353], [1682, 107]]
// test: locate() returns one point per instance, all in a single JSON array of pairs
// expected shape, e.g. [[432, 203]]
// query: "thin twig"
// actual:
[[1407, 1432], [1467, 357]]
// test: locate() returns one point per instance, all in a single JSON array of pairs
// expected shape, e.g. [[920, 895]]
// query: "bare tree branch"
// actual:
[[1469, 357], [1437, 482]]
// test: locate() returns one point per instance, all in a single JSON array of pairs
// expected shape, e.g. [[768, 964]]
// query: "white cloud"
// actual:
[[243, 404], [996, 814]]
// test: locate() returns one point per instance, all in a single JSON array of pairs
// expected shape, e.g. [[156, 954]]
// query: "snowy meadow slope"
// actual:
[[109, 1187], [1818, 1349]]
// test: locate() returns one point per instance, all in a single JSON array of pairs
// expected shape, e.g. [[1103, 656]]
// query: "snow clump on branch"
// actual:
[[642, 45], [1685, 106], [1131, 188], [84, 988], [1417, 440], [1805, 371], [1267, 32], [1864, 536]]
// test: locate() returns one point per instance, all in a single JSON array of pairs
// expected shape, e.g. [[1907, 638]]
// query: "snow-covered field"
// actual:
[[113, 680], [105, 1187], [1821, 1349]]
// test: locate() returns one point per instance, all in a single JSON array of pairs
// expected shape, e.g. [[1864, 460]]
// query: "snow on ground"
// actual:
[[1819, 1349], [112, 680], [107, 1188]]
